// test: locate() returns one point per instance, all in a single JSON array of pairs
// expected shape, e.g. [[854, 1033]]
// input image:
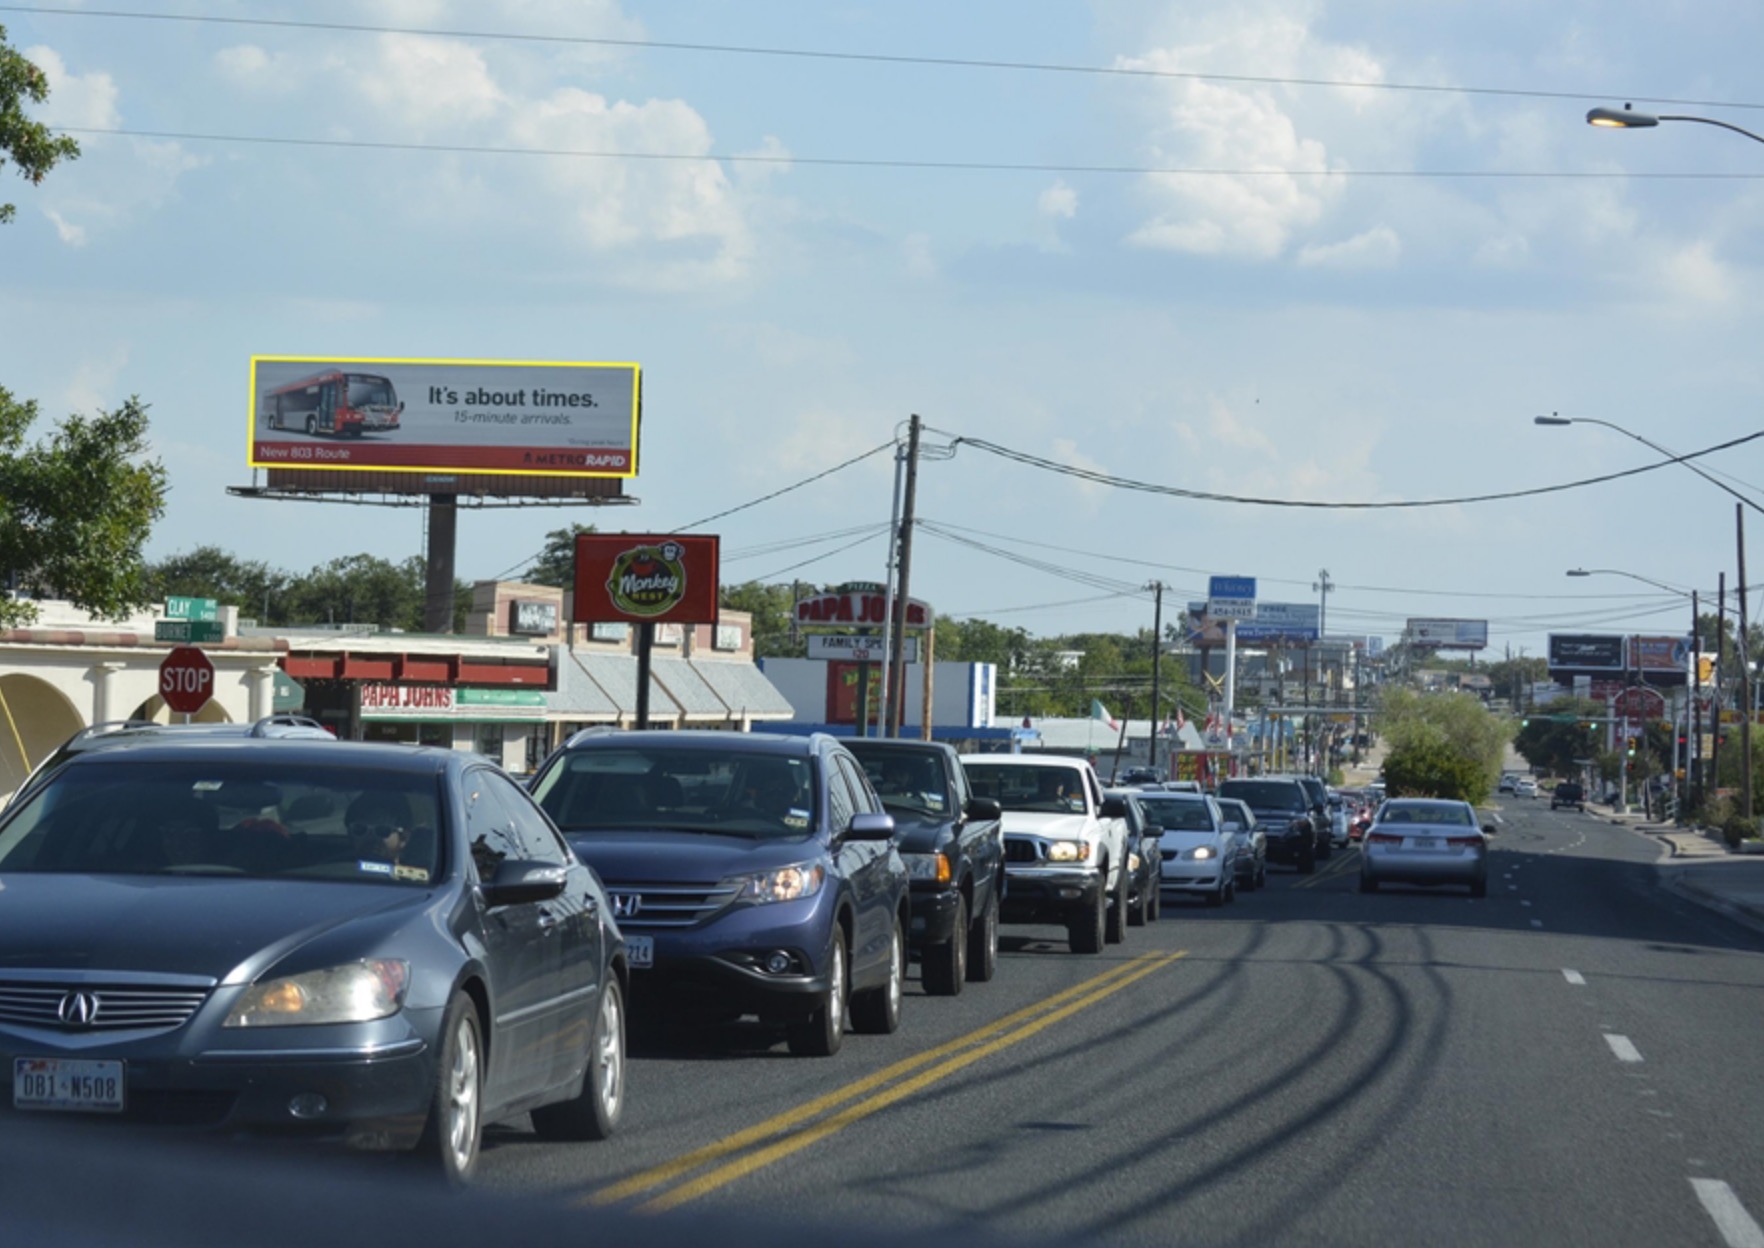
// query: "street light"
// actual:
[[1553, 420], [1627, 118], [1671, 589]]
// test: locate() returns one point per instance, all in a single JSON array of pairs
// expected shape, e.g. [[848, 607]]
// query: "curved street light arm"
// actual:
[[1672, 455], [1710, 121]]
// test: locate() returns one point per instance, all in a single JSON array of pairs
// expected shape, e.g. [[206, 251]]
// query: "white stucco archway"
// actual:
[[35, 718]]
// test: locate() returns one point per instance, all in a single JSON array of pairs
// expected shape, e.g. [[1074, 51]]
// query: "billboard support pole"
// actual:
[[1745, 664], [438, 584], [1720, 667], [1230, 683], [645, 644]]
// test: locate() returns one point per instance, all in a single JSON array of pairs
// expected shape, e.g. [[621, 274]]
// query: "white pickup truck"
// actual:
[[1065, 845]]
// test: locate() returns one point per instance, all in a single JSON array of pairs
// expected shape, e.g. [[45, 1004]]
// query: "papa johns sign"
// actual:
[[859, 608]]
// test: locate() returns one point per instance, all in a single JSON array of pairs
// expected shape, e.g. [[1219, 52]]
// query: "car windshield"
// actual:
[[1406, 812], [627, 788], [906, 780], [1265, 794], [1178, 813], [1021, 786], [227, 817]]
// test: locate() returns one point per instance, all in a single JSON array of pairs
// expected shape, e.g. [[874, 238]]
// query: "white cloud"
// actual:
[[424, 80], [1376, 248], [915, 250], [86, 100], [1696, 275], [1058, 200], [248, 67], [775, 160], [71, 234]]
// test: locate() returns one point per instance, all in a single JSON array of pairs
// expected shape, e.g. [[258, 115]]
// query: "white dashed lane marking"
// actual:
[[1737, 1226], [1574, 977], [1537, 922], [1621, 1046]]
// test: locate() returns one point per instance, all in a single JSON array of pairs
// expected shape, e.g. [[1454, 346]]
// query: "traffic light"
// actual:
[[1525, 723]]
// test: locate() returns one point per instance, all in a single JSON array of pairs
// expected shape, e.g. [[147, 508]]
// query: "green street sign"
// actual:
[[192, 609], [189, 632]]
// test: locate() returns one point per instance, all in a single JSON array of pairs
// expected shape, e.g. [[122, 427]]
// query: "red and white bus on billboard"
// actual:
[[344, 405]]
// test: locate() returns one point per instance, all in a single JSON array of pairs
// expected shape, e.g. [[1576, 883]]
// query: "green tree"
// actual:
[[772, 608], [556, 564], [210, 572], [31, 145], [1559, 736], [980, 641], [76, 510], [363, 589], [1448, 744]]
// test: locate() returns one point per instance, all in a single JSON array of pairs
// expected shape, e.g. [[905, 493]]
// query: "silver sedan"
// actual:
[[1421, 840]]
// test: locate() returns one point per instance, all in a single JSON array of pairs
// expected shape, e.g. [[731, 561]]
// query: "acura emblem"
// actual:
[[627, 905], [78, 1009]]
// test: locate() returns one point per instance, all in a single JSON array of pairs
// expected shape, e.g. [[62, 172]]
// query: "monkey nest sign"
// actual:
[[646, 579]]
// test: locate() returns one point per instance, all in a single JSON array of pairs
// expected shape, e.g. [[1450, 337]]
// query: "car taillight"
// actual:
[[1382, 838], [1463, 842]]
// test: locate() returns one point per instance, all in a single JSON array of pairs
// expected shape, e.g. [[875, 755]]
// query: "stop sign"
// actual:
[[186, 679]]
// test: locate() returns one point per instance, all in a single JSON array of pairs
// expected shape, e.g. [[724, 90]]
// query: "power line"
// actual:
[[798, 543], [872, 535], [948, 166], [875, 58], [1175, 491], [766, 498]]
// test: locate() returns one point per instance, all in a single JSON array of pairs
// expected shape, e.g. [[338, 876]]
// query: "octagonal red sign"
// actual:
[[186, 680]]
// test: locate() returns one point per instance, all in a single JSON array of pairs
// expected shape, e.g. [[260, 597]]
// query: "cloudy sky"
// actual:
[[1290, 250]]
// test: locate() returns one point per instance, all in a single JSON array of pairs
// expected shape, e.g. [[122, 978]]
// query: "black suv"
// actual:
[[1283, 812], [953, 846], [1568, 793], [750, 874]]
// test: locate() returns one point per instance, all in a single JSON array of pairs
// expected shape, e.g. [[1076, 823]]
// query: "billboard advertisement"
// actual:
[[1660, 660], [1449, 634], [1586, 652], [1271, 622], [457, 416], [643, 578]]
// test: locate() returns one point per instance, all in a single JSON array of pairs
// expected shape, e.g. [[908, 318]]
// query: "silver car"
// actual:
[[1425, 840], [1199, 852], [1252, 843]]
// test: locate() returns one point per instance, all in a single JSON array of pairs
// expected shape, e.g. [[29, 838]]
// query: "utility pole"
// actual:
[[1720, 670], [1157, 588], [1739, 520], [897, 643]]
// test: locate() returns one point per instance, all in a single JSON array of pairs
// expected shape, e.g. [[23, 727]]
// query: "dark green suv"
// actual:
[[1568, 793]]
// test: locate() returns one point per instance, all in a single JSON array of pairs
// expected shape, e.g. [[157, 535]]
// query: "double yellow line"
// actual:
[[1337, 866], [794, 1130]]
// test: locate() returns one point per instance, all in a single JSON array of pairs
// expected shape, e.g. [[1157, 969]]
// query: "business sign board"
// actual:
[[851, 647], [459, 416], [1660, 660], [1374, 647], [1231, 597], [1269, 622], [844, 682], [863, 605], [644, 578], [432, 702], [1434, 634], [532, 618], [1585, 652], [1640, 704]]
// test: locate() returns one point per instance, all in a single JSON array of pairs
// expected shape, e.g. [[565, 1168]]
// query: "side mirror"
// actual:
[[984, 808], [519, 882], [1113, 808], [868, 827]]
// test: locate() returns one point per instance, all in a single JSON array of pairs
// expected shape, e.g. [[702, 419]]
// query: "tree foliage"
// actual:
[[772, 608], [355, 589], [76, 509], [556, 565], [31, 145], [1557, 736], [1440, 744]]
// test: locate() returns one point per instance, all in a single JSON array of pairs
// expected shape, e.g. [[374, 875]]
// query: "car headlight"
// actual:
[[928, 867], [1068, 851], [358, 992], [784, 884], [1203, 852], [1133, 861]]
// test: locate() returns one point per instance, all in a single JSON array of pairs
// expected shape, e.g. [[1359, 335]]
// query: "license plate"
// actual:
[[640, 950], [75, 1086], [1428, 842]]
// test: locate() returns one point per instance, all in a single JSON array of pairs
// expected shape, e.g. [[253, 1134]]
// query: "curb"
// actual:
[[1745, 916]]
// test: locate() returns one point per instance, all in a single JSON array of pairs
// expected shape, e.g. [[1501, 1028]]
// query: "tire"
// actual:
[[1479, 888], [821, 1033], [1231, 891], [594, 1112], [1157, 898], [1368, 884], [1216, 898], [1085, 931], [1136, 915], [1115, 921], [312, 425], [1262, 876], [455, 1130], [983, 943], [945, 966], [877, 1010]]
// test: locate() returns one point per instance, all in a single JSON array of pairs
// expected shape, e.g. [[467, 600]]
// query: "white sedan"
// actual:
[[1199, 851]]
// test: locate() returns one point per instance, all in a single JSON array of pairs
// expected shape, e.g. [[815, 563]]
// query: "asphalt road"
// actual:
[[1566, 1062]]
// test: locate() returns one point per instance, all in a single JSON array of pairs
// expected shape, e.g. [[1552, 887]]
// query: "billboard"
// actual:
[[1231, 597], [644, 578], [345, 413], [1657, 657], [1271, 622], [1586, 652], [1448, 634]]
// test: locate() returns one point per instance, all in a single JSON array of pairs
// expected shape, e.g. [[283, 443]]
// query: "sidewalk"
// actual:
[[1702, 869]]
